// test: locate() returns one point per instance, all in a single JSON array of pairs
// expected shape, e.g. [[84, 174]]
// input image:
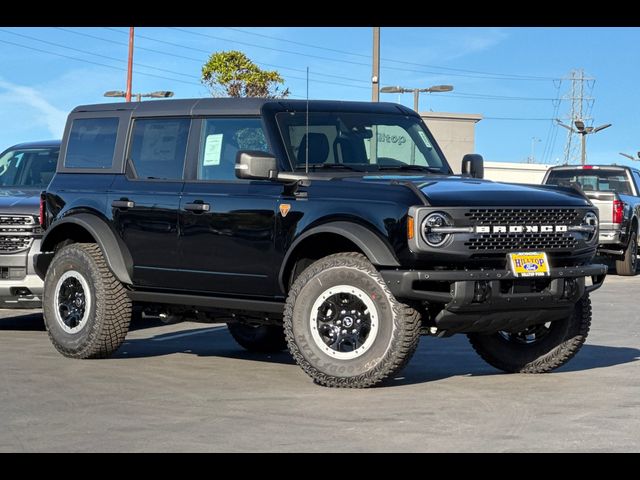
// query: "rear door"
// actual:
[[145, 201]]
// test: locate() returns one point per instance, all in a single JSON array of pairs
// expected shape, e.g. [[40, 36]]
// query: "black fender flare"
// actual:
[[369, 242], [114, 250]]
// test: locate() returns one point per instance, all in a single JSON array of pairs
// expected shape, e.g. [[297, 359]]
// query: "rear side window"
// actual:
[[158, 147], [92, 143]]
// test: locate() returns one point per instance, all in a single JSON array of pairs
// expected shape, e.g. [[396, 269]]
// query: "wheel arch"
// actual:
[[334, 237], [86, 227]]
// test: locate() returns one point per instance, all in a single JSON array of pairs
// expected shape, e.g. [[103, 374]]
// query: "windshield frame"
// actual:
[[364, 168]]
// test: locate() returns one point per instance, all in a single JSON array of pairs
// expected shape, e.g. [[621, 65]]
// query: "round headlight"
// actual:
[[591, 219], [435, 239]]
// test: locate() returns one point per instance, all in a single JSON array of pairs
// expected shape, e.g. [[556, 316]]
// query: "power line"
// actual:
[[344, 52], [95, 54], [166, 42], [351, 62], [113, 67], [516, 118]]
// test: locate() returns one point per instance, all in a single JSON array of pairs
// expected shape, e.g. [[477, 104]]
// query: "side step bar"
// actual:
[[205, 301]]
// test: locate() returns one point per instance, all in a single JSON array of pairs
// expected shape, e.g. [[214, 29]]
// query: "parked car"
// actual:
[[334, 228], [615, 190], [25, 170]]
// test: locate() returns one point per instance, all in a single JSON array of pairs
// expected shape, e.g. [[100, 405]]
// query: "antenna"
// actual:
[[306, 144]]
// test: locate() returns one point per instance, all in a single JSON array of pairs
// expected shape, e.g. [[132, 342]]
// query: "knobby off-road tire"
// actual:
[[258, 338], [86, 309], [539, 349], [344, 327], [629, 263]]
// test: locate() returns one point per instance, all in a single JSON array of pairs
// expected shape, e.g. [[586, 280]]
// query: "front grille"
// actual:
[[530, 241], [521, 241], [14, 244], [14, 220], [17, 232], [526, 216]]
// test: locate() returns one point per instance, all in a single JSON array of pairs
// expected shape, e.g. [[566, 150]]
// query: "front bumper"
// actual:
[[492, 300], [21, 293]]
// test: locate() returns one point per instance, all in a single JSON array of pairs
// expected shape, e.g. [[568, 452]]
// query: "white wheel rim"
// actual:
[[365, 316], [77, 306]]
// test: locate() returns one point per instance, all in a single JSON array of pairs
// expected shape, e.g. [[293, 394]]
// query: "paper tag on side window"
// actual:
[[212, 149]]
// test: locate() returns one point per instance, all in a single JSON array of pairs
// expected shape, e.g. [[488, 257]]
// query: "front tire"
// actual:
[[258, 338], [629, 263], [343, 325], [86, 309], [537, 349]]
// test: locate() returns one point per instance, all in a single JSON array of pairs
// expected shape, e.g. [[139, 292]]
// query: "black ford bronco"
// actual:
[[334, 229]]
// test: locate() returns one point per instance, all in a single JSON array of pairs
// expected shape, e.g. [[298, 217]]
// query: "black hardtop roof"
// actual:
[[239, 106], [37, 144]]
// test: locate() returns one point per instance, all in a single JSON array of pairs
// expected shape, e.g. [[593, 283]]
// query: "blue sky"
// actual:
[[65, 67]]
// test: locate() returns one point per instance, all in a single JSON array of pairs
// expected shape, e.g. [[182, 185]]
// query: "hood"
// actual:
[[455, 191], [25, 202]]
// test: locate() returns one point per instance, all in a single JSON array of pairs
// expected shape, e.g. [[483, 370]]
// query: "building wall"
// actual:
[[532, 173], [454, 132]]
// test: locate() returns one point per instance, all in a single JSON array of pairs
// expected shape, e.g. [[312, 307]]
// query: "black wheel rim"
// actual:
[[343, 322], [72, 302], [529, 336]]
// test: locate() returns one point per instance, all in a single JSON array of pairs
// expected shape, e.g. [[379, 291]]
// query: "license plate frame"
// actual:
[[529, 264]]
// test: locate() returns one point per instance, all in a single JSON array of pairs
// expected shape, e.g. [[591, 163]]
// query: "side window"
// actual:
[[221, 140], [158, 147], [91, 143]]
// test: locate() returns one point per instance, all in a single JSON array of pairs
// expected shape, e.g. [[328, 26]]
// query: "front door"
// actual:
[[227, 225], [145, 202]]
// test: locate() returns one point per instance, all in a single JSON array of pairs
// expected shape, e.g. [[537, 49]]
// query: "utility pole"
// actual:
[[580, 103], [375, 75], [532, 158], [130, 66]]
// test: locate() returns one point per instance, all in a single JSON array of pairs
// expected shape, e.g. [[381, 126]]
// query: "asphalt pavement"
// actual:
[[189, 387]]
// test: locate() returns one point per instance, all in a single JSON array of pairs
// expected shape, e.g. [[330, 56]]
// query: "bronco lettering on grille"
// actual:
[[520, 228]]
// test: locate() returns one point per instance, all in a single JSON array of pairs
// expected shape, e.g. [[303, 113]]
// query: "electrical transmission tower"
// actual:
[[581, 103]]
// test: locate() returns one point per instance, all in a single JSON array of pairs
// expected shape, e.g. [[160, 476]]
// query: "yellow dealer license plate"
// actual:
[[533, 264]]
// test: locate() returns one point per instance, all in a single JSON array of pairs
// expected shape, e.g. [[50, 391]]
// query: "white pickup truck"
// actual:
[[615, 190]]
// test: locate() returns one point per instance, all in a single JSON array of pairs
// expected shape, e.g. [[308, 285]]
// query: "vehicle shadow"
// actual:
[[205, 341], [435, 359], [33, 322], [23, 321]]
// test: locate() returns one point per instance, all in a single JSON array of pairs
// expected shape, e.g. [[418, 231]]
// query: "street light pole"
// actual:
[[375, 74], [130, 66], [583, 131], [416, 92], [158, 94]]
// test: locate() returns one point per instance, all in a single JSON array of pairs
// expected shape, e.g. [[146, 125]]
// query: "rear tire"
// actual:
[[629, 263], [258, 338], [86, 309], [343, 325], [538, 349]]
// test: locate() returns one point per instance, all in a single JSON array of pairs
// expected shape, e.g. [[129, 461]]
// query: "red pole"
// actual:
[[130, 65]]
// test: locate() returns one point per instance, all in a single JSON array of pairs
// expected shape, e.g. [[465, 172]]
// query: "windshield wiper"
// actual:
[[418, 168], [328, 166]]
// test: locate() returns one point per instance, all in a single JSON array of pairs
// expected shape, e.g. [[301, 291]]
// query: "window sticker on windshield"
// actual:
[[424, 138], [212, 149]]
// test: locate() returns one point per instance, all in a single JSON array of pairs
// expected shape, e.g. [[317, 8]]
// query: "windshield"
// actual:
[[592, 180], [29, 167], [359, 141]]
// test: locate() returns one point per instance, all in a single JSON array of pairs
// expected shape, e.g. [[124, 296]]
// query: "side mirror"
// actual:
[[256, 165], [473, 165]]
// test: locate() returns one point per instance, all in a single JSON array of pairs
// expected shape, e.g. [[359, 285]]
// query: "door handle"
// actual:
[[123, 203], [197, 206]]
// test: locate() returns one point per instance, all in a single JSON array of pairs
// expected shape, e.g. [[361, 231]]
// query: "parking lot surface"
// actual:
[[189, 387]]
